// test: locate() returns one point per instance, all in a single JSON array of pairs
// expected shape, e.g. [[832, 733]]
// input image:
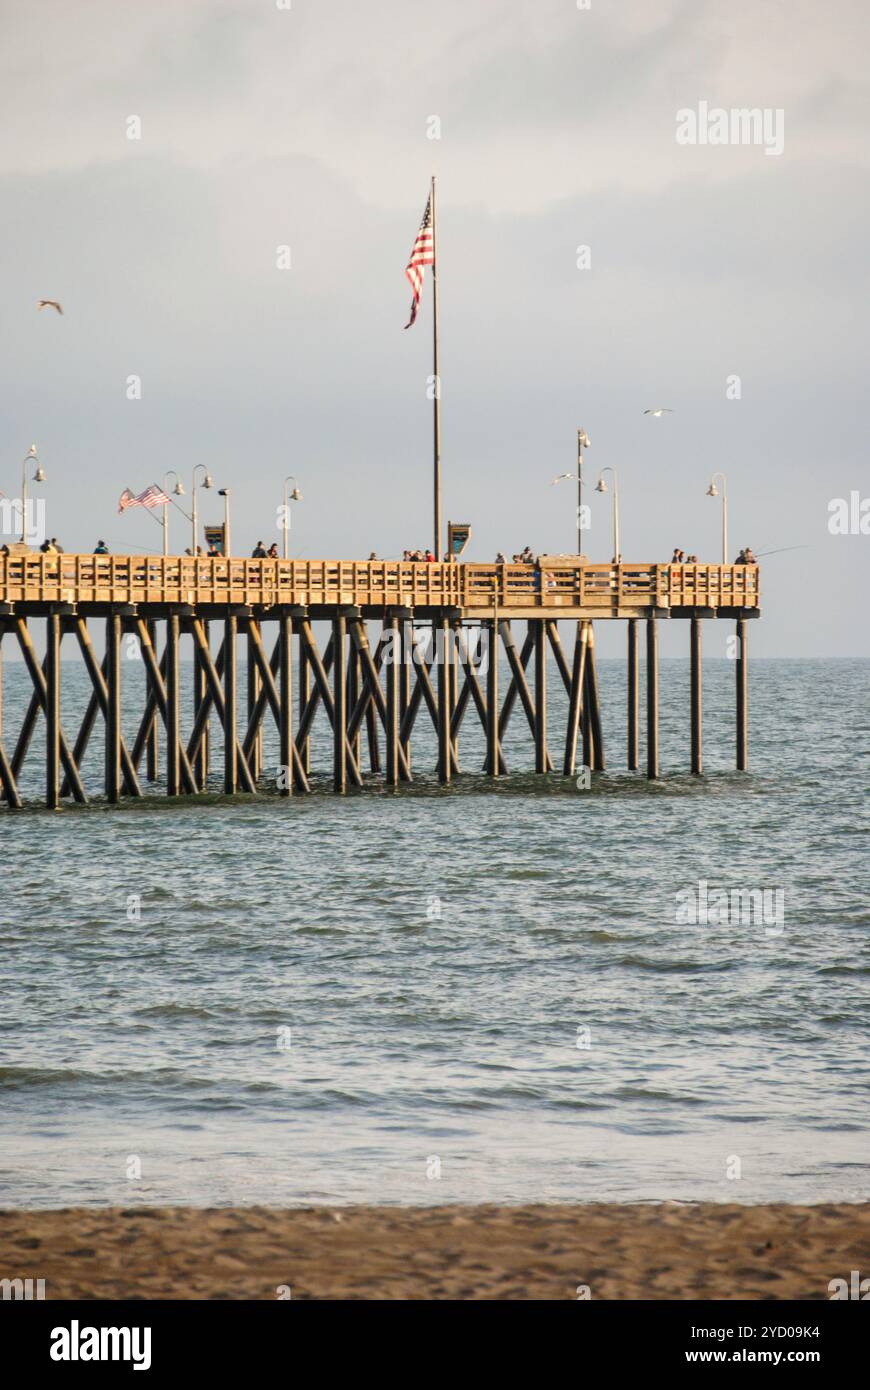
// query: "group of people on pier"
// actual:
[[746, 557]]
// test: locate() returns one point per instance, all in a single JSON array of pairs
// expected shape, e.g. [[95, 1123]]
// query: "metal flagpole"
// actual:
[[436, 385]]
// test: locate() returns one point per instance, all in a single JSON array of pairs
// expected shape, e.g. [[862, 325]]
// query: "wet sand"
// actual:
[[663, 1251]]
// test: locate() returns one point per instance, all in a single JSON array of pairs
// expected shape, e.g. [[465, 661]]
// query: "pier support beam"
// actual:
[[339, 698], [592, 706], [695, 673], [354, 672], [742, 692], [252, 682], [652, 698], [633, 696], [405, 693], [52, 711], [231, 760], [575, 700], [493, 738], [8, 785], [542, 759], [173, 707], [113, 708], [392, 658], [200, 689], [152, 739], [7, 780], [285, 723], [443, 652], [37, 703], [304, 673]]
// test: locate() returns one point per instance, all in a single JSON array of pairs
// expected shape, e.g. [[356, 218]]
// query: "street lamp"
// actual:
[[178, 491], [601, 486], [207, 481], [294, 496], [38, 477], [712, 491], [582, 443]]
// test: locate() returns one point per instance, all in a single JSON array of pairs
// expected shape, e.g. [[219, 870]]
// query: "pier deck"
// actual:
[[568, 590], [371, 692]]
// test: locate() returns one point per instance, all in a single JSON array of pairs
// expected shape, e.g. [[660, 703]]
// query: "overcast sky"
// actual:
[[308, 126]]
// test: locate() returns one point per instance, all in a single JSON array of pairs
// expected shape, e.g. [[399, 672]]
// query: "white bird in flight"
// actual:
[[659, 410], [49, 304], [561, 476]]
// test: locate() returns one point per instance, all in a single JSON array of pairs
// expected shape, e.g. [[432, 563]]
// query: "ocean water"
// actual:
[[479, 993]]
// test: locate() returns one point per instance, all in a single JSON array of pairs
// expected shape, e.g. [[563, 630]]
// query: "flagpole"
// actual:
[[436, 384]]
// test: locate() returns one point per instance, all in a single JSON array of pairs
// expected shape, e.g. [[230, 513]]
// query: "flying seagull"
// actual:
[[659, 410], [49, 304], [561, 476]]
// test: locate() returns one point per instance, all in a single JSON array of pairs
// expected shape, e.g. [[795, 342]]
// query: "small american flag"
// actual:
[[153, 496], [422, 255]]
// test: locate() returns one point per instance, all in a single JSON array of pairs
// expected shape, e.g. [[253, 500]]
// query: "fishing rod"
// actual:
[[782, 550]]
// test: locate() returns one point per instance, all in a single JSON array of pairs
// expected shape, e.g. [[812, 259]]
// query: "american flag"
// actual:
[[153, 496], [422, 255]]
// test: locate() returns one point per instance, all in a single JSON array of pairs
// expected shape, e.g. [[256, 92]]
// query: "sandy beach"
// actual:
[[664, 1251]]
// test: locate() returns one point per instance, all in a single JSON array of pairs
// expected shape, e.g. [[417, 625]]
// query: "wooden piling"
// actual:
[[493, 740], [253, 683], [407, 627], [201, 758], [742, 692], [304, 680], [52, 710], [173, 706], [339, 723], [285, 726], [231, 762], [633, 695], [152, 764], [695, 675], [652, 698], [8, 784], [353, 693], [541, 755], [575, 701], [113, 707], [593, 703], [443, 652], [393, 658]]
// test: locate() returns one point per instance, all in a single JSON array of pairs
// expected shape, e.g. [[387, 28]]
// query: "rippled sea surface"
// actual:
[[478, 993]]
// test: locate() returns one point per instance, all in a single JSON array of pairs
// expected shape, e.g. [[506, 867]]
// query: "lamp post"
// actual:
[[178, 490], [294, 496], [38, 477], [601, 486], [582, 443], [712, 491], [206, 482], [224, 492]]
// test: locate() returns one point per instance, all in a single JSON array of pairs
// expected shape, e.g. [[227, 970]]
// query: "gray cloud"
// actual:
[[308, 128]]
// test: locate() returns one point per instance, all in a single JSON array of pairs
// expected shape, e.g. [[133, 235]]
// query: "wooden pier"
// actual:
[[374, 678]]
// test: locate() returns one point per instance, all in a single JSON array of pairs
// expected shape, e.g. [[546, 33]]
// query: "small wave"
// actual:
[[173, 1011]]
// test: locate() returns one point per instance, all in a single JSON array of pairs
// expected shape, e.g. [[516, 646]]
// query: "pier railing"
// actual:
[[122, 579]]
